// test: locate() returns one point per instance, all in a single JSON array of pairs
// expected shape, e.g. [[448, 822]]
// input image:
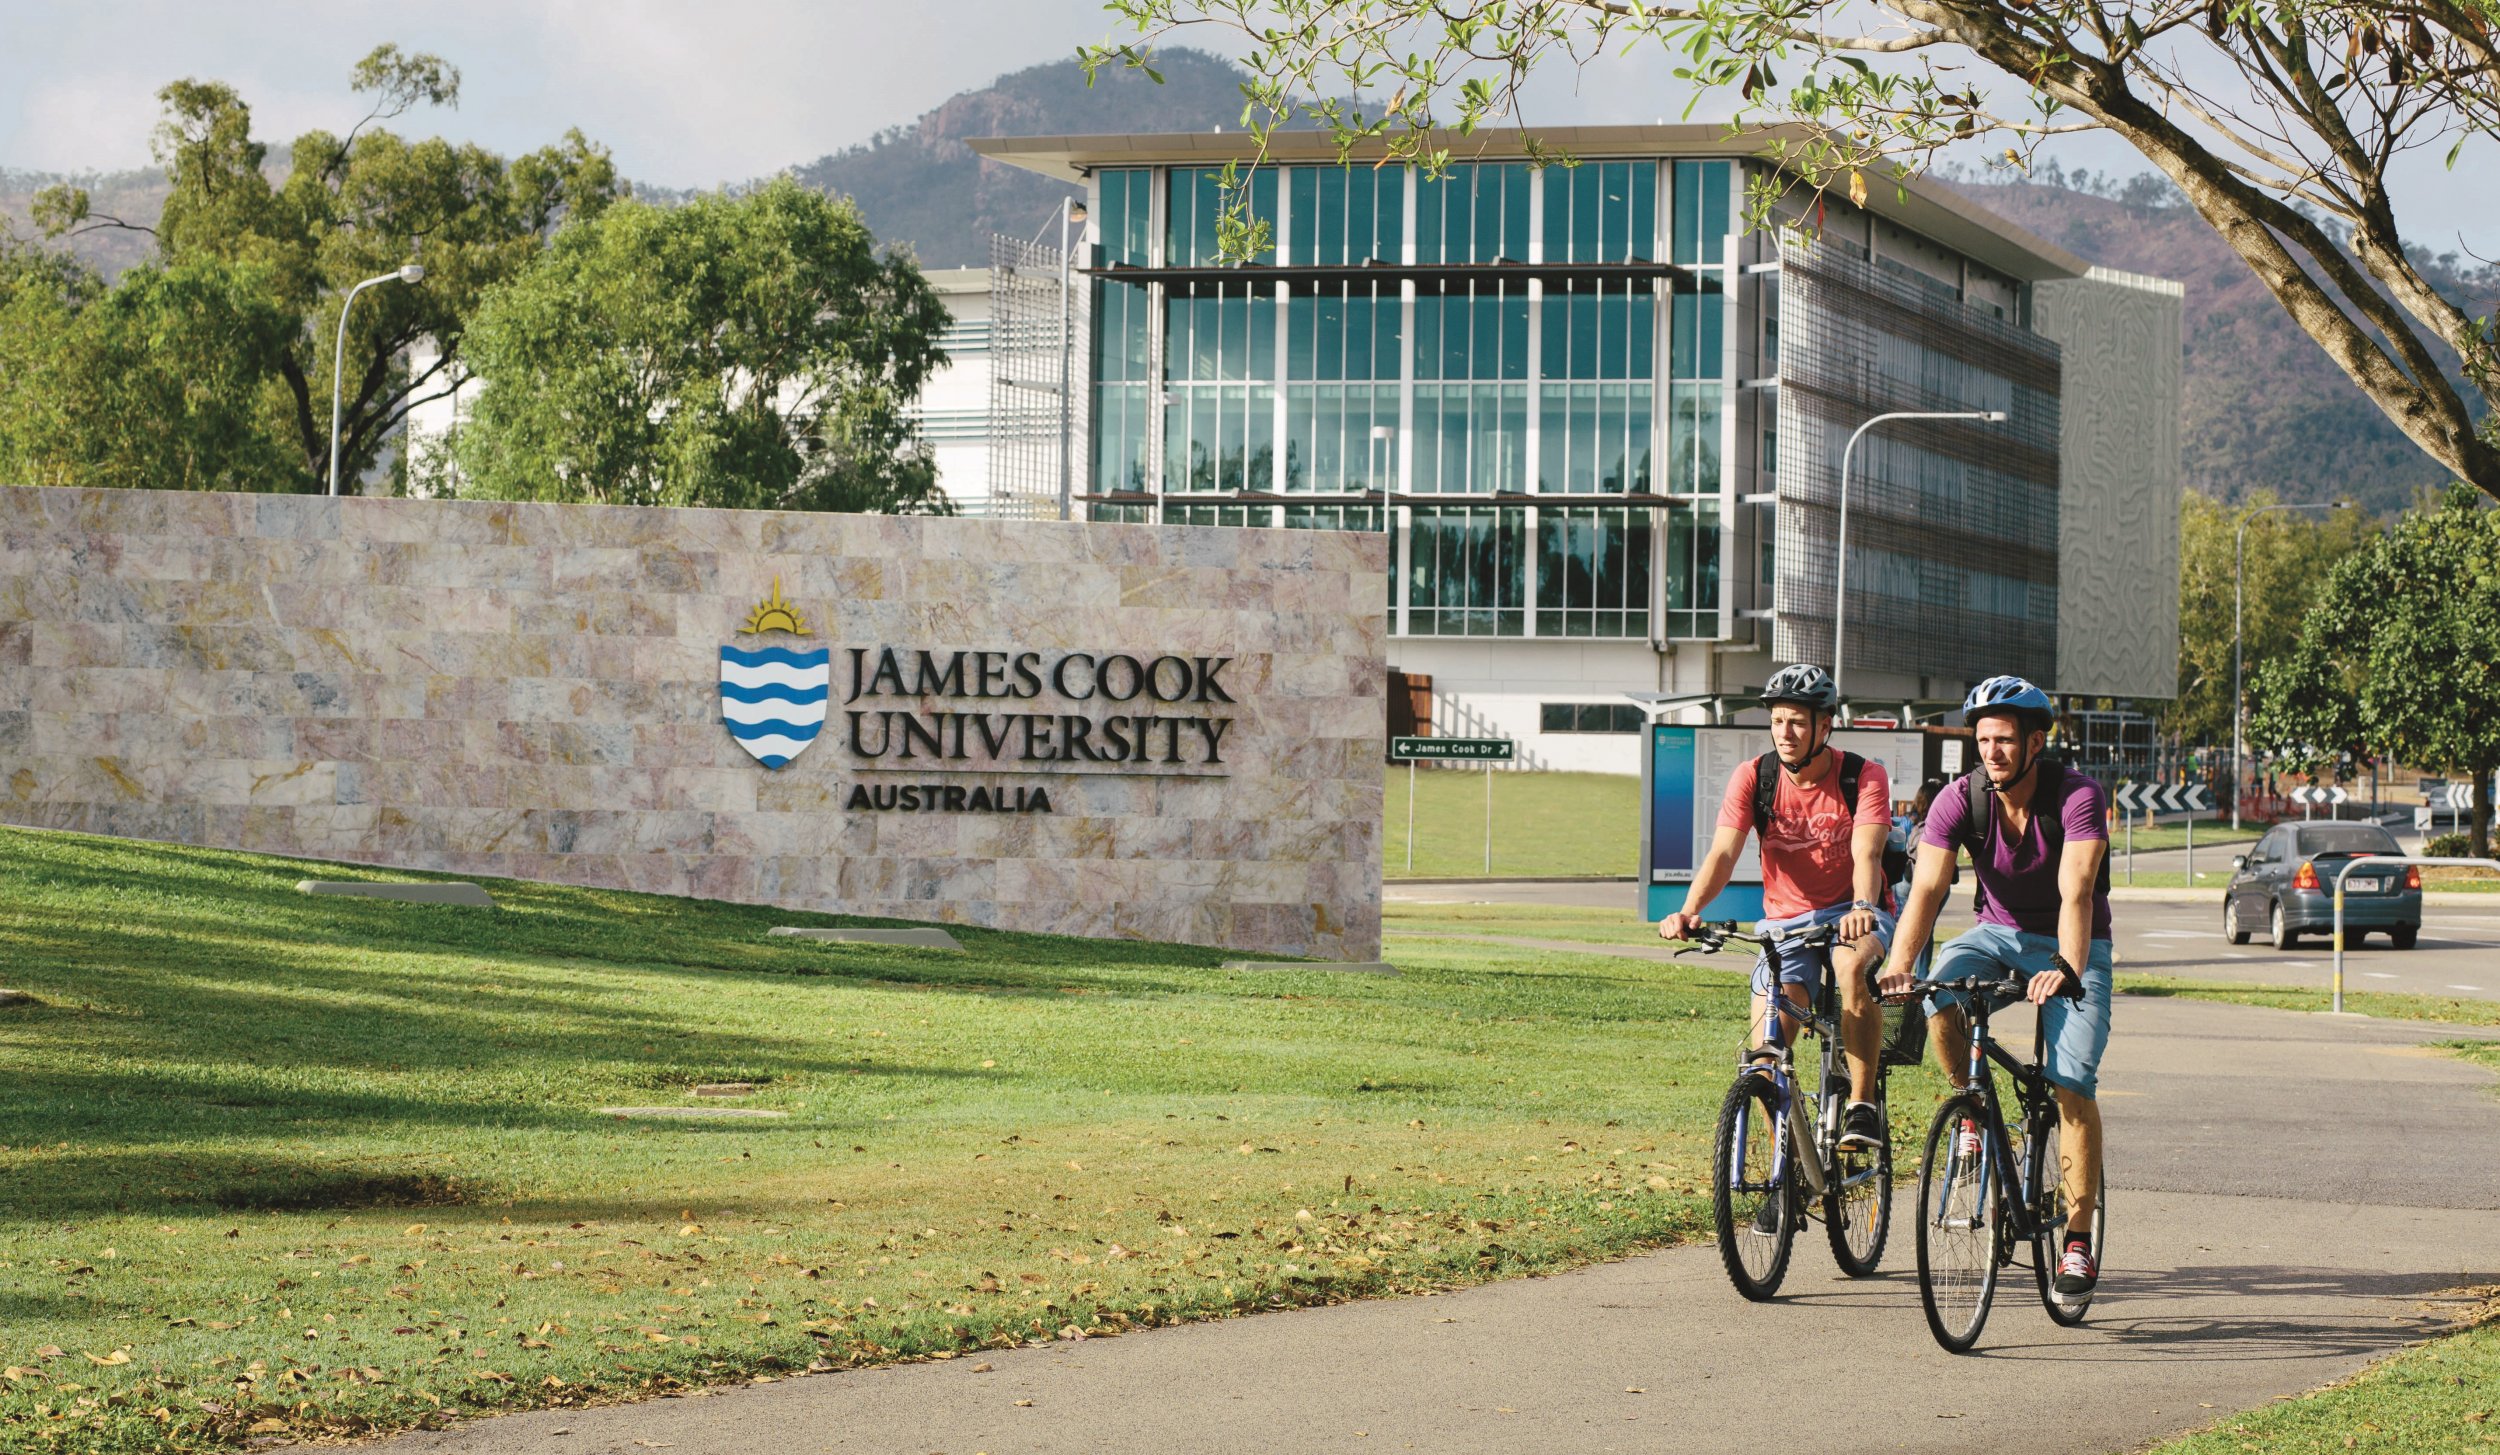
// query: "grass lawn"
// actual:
[[285, 1165], [2439, 1396], [1543, 823]]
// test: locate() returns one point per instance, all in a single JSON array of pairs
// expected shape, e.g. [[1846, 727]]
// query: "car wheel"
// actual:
[[2402, 936], [2281, 934], [2232, 929]]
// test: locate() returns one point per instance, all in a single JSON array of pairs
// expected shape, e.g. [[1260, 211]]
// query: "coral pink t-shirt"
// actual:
[[1806, 863]]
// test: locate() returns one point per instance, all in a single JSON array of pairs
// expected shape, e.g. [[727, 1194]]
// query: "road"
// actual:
[[2293, 1194], [2159, 936]]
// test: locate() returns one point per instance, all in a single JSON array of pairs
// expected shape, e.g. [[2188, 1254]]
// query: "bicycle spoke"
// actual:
[[1961, 1202]]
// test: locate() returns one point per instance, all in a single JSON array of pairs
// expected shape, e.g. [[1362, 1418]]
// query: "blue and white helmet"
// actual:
[[2014, 695]]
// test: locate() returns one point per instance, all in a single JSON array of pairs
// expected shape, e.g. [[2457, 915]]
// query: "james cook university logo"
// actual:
[[773, 696]]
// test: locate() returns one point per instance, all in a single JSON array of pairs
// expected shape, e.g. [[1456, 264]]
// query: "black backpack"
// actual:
[[1852, 769]]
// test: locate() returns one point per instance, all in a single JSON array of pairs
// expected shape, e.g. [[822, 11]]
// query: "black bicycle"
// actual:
[[1983, 1191], [1777, 1157]]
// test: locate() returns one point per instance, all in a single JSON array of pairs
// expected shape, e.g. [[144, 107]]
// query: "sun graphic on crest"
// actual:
[[773, 614]]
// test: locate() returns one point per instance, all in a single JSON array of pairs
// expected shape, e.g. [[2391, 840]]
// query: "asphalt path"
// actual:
[[2176, 933], [2293, 1196]]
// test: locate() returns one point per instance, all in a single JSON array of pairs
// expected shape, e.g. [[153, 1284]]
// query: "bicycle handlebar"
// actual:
[[2010, 985], [1711, 935]]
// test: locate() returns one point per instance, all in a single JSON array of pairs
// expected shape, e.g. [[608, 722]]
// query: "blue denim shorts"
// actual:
[[2075, 1032], [1797, 964]]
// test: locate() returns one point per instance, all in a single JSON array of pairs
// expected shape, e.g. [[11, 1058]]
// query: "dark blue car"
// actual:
[[2285, 887]]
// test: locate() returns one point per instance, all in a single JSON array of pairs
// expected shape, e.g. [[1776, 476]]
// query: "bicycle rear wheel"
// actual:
[[2050, 1245], [1752, 1193], [1961, 1204], [1857, 1211]]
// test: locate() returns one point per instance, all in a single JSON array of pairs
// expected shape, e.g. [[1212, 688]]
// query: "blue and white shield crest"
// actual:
[[773, 699]]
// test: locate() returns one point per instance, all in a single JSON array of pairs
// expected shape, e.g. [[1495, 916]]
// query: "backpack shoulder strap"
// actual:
[[1851, 768], [1979, 822], [1766, 785]]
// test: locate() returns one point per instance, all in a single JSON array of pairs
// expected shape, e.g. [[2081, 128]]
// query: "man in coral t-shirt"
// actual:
[[1822, 863]]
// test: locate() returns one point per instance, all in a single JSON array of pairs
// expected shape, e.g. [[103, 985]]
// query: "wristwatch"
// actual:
[[1861, 904]]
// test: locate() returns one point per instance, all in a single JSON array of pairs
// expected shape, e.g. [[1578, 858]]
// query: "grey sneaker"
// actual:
[[1766, 1220], [1862, 1127]]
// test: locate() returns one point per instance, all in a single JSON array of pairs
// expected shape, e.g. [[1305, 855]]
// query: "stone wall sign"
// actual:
[[1111, 730]]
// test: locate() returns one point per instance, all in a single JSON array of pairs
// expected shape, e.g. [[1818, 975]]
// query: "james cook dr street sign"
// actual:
[[1408, 750]]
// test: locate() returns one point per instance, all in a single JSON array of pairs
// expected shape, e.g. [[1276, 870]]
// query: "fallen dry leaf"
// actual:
[[118, 1356]]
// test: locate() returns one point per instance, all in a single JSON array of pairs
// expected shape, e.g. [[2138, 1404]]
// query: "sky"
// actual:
[[693, 94]]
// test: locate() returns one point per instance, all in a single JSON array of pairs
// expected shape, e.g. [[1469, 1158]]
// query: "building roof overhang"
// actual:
[[1926, 207]]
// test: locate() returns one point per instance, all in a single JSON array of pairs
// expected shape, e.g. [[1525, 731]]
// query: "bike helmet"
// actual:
[[1807, 686], [1999, 696]]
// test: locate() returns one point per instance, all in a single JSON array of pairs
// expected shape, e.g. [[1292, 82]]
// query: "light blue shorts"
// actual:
[[1797, 964], [2075, 1032]]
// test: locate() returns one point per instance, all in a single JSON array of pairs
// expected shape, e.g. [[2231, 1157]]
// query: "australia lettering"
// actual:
[[946, 798]]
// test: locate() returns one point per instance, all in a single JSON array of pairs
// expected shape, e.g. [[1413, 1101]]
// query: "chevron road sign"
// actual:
[[2460, 795], [2319, 795], [2160, 798]]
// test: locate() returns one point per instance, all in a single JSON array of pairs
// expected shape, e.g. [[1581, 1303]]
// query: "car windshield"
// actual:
[[2348, 838]]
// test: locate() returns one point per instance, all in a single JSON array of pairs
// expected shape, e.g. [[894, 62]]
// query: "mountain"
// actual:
[[2264, 406], [921, 184], [136, 197]]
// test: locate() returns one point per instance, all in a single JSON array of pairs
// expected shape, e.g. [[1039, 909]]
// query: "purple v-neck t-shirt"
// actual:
[[2019, 879]]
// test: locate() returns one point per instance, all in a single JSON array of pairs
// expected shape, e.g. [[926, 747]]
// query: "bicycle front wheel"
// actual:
[[1961, 1207], [1857, 1210], [1752, 1202]]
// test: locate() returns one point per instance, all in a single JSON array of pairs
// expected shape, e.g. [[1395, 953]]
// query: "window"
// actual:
[[1126, 222], [1591, 717], [1332, 517], [1122, 368], [1463, 575], [1473, 214], [1212, 513], [1592, 575], [1198, 200], [1343, 215], [1595, 434], [1701, 213], [1601, 212], [1693, 570], [1219, 421]]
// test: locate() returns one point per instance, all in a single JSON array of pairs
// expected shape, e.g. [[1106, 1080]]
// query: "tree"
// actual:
[[352, 207], [2401, 658], [2278, 121], [154, 383], [737, 351], [2288, 557]]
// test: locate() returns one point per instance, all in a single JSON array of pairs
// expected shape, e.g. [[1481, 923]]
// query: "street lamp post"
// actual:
[[1840, 576], [2239, 548], [338, 356], [1071, 212]]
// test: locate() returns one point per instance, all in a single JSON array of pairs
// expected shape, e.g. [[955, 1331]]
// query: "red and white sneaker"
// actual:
[[2077, 1275]]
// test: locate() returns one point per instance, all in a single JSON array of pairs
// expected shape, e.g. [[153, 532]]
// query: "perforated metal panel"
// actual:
[[1027, 343], [1953, 526]]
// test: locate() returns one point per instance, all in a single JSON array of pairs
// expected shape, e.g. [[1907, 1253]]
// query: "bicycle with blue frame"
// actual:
[[1984, 1195], [1777, 1156]]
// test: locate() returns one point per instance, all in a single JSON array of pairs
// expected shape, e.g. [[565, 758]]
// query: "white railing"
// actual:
[[2346, 872]]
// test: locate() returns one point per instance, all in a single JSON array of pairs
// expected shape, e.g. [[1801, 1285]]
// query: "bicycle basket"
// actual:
[[1905, 1032]]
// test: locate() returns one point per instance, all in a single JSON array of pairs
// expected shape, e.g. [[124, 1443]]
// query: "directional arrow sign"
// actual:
[[2460, 795], [1429, 750], [2319, 795], [2176, 798]]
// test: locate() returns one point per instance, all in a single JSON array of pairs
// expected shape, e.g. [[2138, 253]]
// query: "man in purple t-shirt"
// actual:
[[2040, 850]]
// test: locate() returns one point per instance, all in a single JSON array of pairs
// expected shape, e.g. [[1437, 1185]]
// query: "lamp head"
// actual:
[[413, 273], [1994, 416], [1076, 212]]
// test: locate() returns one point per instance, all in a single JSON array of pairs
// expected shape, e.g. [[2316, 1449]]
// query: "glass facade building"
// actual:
[[1521, 375], [1593, 405]]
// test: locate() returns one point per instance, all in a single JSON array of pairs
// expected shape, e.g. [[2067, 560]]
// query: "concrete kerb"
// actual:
[[468, 895], [17, 997], [696, 1113], [919, 939]]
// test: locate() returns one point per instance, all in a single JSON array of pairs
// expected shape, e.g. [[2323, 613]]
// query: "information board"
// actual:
[[1684, 776]]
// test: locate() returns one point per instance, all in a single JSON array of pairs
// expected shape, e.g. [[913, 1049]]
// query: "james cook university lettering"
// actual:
[[1122, 718]]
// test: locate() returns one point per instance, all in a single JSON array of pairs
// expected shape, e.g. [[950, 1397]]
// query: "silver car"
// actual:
[[2285, 887]]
